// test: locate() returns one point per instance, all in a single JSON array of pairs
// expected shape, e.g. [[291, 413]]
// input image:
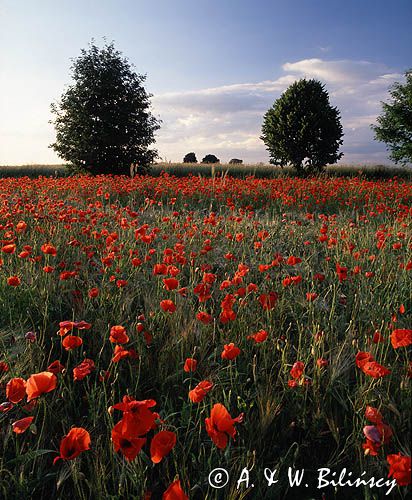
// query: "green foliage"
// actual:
[[302, 129], [395, 124], [210, 159], [190, 158], [103, 121]]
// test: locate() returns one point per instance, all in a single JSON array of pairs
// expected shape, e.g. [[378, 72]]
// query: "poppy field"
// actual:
[[155, 329]]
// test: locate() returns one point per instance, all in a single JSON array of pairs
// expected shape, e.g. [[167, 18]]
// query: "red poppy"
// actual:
[[292, 261], [9, 248], [93, 293], [170, 283], [137, 415], [322, 362], [125, 442], [375, 370], [118, 335], [401, 338], [311, 296], [16, 389], [175, 492], [297, 370], [160, 269], [40, 383], [400, 468], [4, 367], [230, 351], [83, 369], [197, 394], [120, 353], [168, 306], [161, 445], [190, 365], [82, 325], [366, 362], [268, 301], [13, 281], [373, 415], [22, 425], [76, 441], [65, 326], [204, 317], [220, 425], [259, 336], [55, 367], [49, 249], [71, 342]]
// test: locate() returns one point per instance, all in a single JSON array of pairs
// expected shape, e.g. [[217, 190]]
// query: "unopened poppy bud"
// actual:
[[110, 410]]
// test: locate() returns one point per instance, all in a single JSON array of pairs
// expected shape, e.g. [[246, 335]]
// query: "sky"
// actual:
[[214, 67]]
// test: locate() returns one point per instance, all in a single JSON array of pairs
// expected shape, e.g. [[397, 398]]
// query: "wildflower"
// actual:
[[76, 441], [190, 365], [162, 443], [40, 383], [401, 338], [220, 425], [297, 370], [118, 335], [83, 369], [55, 367], [175, 492], [168, 306], [259, 336], [13, 281], [16, 389], [124, 441], [197, 394], [400, 468], [230, 351], [20, 426], [71, 342]]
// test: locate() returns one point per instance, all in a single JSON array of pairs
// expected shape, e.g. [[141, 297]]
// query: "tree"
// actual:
[[302, 129], [190, 158], [103, 121], [235, 161], [210, 159], [395, 124]]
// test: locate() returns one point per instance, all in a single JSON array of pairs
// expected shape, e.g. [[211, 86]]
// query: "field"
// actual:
[[264, 171], [154, 329]]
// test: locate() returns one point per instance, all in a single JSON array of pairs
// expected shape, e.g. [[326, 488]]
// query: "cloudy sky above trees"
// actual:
[[213, 67]]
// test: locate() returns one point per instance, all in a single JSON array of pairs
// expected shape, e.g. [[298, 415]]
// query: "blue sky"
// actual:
[[214, 67]]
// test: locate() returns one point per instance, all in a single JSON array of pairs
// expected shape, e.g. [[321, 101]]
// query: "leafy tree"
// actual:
[[190, 158], [235, 161], [210, 159], [103, 121], [395, 124], [302, 129]]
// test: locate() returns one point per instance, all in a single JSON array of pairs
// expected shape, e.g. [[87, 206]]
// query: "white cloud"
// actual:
[[227, 120]]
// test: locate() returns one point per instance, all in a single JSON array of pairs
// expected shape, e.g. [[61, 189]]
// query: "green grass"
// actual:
[[239, 171]]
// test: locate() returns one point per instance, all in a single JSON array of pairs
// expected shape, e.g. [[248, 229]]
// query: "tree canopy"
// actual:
[[103, 121], [395, 123], [302, 129]]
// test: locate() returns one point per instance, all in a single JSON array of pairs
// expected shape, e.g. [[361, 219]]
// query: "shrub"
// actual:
[[190, 158], [210, 159], [235, 161]]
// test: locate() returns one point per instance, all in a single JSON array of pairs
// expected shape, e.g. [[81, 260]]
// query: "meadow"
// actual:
[[154, 329]]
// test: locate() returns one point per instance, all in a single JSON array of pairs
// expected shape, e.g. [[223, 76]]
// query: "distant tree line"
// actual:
[[104, 123]]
